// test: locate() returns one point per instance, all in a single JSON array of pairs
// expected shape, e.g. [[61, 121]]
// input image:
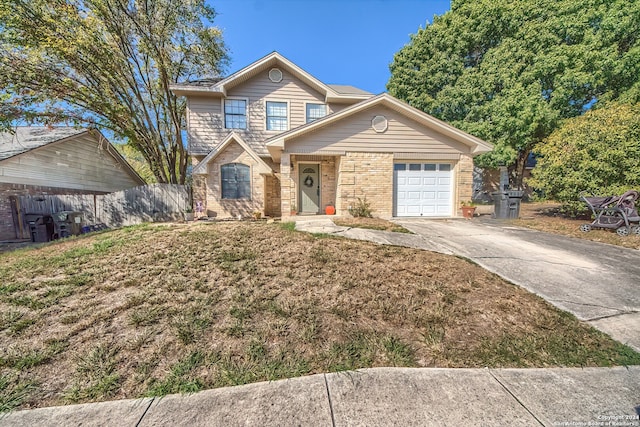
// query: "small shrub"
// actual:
[[361, 209]]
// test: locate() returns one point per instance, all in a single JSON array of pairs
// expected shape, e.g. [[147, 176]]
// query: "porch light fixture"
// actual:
[[379, 124], [275, 75]]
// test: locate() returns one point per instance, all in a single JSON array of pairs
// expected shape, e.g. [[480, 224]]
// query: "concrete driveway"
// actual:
[[598, 283]]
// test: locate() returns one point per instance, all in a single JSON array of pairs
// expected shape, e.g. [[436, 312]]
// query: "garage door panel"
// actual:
[[429, 181], [425, 192], [428, 195], [428, 210]]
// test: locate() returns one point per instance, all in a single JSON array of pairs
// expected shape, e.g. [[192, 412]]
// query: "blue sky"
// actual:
[[337, 41]]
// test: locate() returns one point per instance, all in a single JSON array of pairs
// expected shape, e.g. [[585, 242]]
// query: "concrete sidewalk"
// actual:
[[381, 397]]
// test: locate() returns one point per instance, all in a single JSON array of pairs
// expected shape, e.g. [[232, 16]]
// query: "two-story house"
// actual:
[[274, 139]]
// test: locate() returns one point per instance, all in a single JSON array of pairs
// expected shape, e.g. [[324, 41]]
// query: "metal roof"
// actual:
[[27, 138]]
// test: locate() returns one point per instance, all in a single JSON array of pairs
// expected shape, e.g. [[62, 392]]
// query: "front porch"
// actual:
[[309, 183], [343, 178]]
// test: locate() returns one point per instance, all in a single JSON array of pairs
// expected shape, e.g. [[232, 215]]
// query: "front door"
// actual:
[[309, 188]]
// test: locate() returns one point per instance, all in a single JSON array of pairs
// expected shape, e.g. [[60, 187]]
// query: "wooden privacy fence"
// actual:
[[156, 202]]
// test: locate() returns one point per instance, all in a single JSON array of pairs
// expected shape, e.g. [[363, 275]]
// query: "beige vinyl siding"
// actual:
[[260, 88], [355, 134], [206, 119], [75, 164], [205, 123]]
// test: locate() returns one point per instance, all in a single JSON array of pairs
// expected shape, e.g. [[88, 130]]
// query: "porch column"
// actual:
[[286, 184]]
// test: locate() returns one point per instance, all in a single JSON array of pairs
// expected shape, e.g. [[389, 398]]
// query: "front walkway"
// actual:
[[598, 283]]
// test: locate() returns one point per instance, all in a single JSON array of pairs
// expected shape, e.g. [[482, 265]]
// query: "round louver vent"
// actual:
[[379, 124], [275, 75]]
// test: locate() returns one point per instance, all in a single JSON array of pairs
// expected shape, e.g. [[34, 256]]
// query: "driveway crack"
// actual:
[[145, 411], [543, 261], [326, 384], [612, 315], [584, 304], [516, 398]]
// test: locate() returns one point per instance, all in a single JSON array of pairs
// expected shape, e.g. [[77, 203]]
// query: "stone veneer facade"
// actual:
[[344, 180], [366, 176], [464, 184], [362, 175], [207, 188]]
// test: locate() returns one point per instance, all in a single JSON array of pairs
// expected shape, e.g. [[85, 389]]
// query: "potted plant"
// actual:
[[294, 211], [468, 209], [188, 213]]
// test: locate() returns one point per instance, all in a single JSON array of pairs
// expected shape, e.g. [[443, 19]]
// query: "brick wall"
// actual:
[[366, 175], [272, 196], [7, 224], [464, 184], [214, 205]]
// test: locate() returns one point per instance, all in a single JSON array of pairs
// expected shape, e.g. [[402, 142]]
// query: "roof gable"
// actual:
[[201, 168], [332, 93], [29, 138], [276, 144]]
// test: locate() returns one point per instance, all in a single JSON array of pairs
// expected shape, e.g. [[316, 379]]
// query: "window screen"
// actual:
[[236, 181]]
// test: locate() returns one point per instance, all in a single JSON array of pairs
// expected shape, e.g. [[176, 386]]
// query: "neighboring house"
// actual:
[[59, 160], [272, 137]]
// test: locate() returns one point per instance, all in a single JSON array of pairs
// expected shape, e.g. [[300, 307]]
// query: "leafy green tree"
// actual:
[[509, 71], [109, 64], [137, 162], [598, 152]]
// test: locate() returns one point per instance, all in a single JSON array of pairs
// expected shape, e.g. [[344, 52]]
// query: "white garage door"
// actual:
[[423, 189]]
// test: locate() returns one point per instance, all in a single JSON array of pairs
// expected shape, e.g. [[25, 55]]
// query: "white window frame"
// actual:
[[266, 117], [326, 110], [246, 111]]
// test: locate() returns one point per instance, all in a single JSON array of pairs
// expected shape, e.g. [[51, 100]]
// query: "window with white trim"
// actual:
[[315, 112], [236, 181], [277, 117], [235, 114]]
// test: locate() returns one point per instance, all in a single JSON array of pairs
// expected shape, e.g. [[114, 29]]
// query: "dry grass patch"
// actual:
[[371, 224], [150, 310], [546, 216]]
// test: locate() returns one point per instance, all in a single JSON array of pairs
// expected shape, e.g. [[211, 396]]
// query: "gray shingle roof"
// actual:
[[349, 90], [29, 137]]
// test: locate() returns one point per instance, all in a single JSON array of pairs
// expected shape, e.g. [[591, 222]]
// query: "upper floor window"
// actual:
[[277, 116], [236, 181], [315, 112], [235, 114]]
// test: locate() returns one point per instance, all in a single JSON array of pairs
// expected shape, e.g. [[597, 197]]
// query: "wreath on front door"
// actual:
[[308, 182]]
